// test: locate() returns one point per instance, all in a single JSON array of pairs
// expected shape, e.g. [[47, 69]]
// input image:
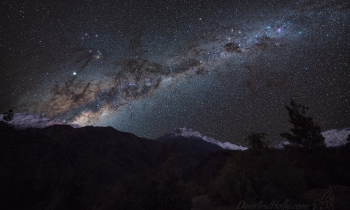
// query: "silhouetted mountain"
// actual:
[[189, 147], [64, 167]]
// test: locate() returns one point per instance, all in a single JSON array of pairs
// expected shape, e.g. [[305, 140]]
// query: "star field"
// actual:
[[223, 68]]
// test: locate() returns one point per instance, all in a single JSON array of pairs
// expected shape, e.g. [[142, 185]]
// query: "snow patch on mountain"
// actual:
[[188, 133], [282, 145], [25, 120], [332, 138], [336, 137]]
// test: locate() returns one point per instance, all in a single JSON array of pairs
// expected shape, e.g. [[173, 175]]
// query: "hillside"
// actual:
[[60, 166], [65, 167]]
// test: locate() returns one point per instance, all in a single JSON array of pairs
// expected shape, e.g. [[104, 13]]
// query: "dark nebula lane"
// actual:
[[224, 68]]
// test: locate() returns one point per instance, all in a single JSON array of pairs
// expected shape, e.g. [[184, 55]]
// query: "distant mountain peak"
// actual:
[[25, 120], [186, 132], [189, 133]]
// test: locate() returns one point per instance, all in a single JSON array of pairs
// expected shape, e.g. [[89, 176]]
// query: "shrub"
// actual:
[[255, 140], [258, 176], [168, 190]]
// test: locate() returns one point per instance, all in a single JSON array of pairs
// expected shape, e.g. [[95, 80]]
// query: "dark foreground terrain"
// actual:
[[60, 167]]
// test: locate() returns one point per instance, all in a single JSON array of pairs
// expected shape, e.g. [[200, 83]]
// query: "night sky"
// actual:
[[223, 68]]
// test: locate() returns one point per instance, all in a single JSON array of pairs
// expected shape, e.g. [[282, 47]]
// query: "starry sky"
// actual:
[[224, 68]]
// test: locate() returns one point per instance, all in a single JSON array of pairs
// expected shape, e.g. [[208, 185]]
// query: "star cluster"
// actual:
[[224, 68]]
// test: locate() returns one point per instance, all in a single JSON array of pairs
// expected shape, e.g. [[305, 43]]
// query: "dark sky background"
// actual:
[[223, 68]]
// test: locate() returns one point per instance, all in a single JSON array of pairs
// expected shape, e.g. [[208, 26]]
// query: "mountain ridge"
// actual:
[[333, 137]]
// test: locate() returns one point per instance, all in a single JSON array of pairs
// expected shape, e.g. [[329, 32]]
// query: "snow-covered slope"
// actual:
[[188, 133], [25, 120], [336, 137], [281, 145], [332, 138]]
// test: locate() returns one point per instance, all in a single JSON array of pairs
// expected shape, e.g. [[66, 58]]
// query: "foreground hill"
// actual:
[[64, 167], [189, 148]]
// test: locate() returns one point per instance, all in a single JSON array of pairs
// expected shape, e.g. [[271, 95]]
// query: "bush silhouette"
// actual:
[[8, 116], [255, 140], [258, 176], [167, 190]]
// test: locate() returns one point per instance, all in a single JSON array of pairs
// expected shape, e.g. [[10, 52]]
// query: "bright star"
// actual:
[[74, 73]]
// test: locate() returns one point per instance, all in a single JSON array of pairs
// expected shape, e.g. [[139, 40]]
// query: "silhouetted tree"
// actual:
[[253, 177], [168, 189], [8, 116], [304, 131], [255, 140]]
